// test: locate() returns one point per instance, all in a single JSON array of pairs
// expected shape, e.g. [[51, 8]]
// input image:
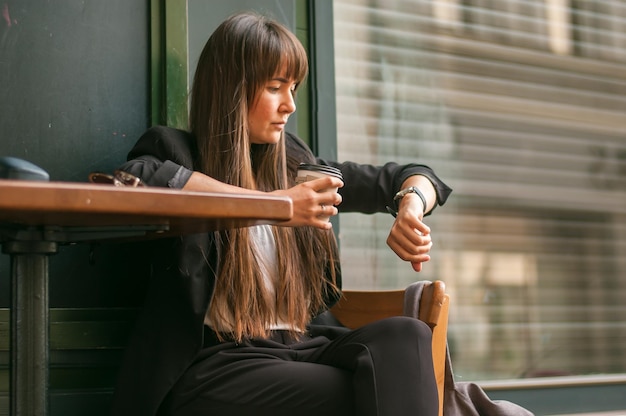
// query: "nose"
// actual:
[[288, 104]]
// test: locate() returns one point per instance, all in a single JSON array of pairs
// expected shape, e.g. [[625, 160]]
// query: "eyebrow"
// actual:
[[280, 79]]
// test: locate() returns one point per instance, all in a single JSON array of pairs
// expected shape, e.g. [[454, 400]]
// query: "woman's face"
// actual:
[[271, 110]]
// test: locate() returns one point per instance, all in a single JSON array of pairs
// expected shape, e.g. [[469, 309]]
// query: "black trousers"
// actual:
[[382, 369]]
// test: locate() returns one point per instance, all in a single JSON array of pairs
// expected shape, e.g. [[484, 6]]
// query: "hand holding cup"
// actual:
[[308, 172]]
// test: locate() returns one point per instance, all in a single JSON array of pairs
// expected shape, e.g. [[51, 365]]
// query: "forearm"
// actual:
[[168, 174], [204, 183]]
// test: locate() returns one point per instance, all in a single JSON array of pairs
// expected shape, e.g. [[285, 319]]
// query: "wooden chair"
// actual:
[[423, 300]]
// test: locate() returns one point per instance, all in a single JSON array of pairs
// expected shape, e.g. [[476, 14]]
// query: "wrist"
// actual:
[[413, 203]]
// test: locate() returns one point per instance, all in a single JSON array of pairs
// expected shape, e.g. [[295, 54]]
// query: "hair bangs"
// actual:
[[281, 54], [294, 59]]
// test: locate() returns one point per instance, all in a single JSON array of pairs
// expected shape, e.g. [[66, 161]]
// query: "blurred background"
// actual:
[[520, 106]]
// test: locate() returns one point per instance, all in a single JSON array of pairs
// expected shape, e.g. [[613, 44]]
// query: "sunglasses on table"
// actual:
[[119, 178]]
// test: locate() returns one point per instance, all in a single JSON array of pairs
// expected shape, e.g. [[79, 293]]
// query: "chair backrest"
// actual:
[[359, 307]]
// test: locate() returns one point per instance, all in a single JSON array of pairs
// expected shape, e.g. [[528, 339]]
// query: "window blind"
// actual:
[[520, 106]]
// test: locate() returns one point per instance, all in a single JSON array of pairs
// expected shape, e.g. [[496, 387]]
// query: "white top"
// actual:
[[262, 238]]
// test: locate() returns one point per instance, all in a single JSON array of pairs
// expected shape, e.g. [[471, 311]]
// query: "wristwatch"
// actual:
[[408, 190]]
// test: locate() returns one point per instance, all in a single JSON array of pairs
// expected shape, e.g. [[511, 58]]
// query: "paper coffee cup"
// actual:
[[308, 172]]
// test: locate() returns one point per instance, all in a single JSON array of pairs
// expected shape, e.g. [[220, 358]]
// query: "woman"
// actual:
[[225, 329]]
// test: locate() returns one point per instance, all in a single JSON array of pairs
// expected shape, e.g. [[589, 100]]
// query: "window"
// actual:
[[520, 106]]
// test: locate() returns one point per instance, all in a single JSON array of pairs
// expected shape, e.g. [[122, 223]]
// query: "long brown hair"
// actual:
[[239, 58]]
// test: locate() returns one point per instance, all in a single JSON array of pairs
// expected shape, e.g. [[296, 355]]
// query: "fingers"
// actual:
[[326, 196], [408, 250], [327, 208], [327, 211], [411, 241], [329, 200], [322, 214], [325, 184]]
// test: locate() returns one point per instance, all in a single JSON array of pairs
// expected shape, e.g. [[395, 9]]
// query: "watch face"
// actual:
[[404, 192], [413, 189]]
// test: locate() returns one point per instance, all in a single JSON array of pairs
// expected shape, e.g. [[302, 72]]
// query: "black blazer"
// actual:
[[169, 331]]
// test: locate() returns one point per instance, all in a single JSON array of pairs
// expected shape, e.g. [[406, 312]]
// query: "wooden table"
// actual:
[[37, 217]]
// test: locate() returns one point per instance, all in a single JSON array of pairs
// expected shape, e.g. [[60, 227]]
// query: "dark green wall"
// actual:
[[74, 96], [74, 86]]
